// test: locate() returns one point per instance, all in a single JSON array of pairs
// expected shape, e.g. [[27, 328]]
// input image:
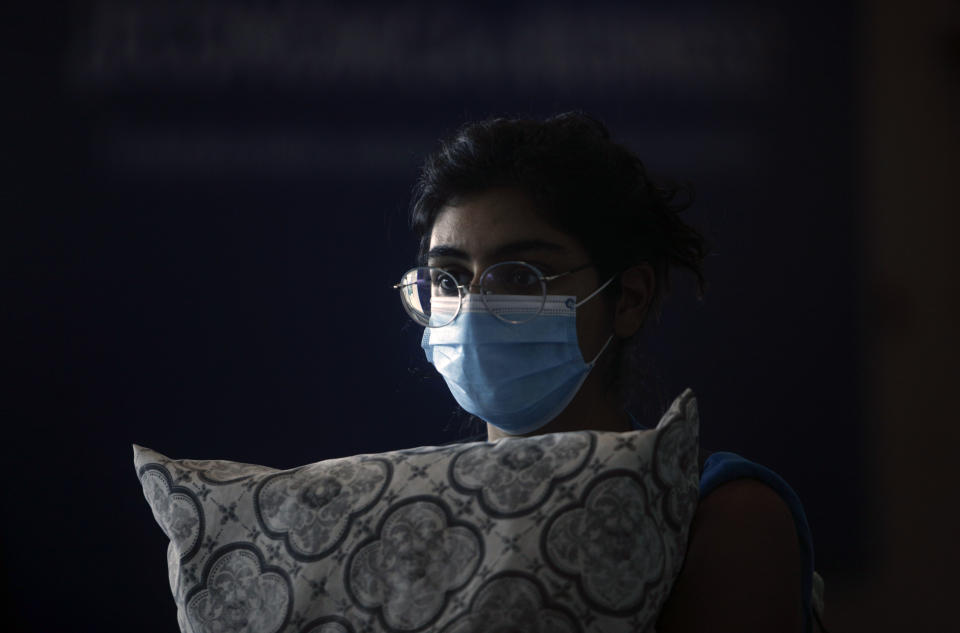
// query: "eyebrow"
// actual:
[[511, 249]]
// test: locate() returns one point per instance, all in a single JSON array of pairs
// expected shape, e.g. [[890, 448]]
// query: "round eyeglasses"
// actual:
[[433, 296]]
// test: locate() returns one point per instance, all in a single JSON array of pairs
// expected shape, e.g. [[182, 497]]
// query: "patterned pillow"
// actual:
[[562, 532]]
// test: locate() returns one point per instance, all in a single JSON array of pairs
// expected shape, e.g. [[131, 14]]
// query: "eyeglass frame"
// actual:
[[460, 290]]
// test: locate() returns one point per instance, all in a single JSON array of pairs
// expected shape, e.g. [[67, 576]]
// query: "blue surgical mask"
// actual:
[[516, 376]]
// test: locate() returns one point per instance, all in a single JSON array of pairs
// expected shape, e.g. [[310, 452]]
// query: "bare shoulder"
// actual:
[[742, 570]]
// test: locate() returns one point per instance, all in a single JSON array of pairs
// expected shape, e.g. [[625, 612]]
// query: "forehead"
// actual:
[[480, 224]]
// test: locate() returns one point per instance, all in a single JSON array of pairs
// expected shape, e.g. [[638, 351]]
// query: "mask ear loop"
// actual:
[[595, 358], [588, 298]]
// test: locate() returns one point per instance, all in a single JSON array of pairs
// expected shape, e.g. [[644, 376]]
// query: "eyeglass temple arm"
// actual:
[[544, 278], [569, 272]]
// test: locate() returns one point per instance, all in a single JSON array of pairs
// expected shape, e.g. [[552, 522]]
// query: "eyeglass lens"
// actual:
[[432, 295]]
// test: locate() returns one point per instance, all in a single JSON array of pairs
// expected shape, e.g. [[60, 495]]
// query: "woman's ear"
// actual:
[[637, 285]]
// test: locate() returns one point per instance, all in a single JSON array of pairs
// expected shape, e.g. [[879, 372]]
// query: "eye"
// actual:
[[512, 278], [447, 284], [523, 276]]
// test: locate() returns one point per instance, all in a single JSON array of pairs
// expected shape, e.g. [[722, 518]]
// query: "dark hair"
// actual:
[[583, 183]]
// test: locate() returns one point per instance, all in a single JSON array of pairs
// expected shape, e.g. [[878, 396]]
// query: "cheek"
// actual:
[[593, 328]]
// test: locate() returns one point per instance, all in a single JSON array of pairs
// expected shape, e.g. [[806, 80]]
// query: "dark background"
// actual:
[[207, 209]]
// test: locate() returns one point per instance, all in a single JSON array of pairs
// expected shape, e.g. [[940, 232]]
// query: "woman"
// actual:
[[512, 217]]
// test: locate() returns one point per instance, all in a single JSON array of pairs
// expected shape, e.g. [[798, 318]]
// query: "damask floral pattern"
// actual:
[[514, 601], [218, 472], [312, 507], [516, 474], [239, 593], [417, 557], [175, 508], [674, 454], [563, 532], [329, 624], [609, 542]]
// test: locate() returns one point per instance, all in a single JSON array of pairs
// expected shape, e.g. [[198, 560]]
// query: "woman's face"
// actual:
[[502, 224]]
